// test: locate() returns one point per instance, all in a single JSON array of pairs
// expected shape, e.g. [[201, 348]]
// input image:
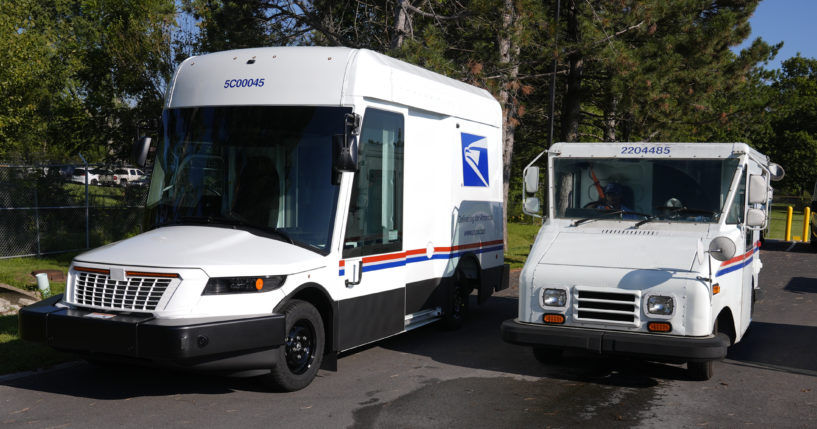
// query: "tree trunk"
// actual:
[[401, 24], [610, 118], [508, 99], [571, 104]]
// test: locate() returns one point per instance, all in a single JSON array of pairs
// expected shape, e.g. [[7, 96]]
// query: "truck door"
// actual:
[[745, 251], [751, 248], [373, 264]]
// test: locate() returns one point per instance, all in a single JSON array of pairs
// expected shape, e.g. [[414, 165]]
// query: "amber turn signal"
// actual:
[[716, 289], [659, 327], [554, 318], [259, 283]]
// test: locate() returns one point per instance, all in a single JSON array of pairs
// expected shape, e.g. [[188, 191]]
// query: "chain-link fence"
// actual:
[[51, 209]]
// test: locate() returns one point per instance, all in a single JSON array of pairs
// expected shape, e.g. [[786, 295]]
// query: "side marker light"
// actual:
[[553, 318], [659, 327], [716, 289]]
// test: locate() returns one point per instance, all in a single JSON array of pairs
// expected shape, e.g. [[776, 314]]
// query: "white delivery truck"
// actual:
[[303, 201], [648, 250]]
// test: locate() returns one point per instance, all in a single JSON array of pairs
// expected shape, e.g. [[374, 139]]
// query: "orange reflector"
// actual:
[[92, 270], [144, 274], [553, 318], [659, 327], [259, 283], [716, 289]]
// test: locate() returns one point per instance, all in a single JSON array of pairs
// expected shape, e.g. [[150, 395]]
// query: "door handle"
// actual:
[[350, 283]]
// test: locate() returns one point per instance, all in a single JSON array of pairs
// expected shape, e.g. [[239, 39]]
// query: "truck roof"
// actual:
[[323, 76], [642, 150]]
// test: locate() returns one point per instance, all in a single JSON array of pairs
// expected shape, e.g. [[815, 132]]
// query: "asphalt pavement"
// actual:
[[432, 378]]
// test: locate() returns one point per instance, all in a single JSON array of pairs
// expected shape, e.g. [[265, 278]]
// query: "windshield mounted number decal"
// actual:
[[645, 150], [243, 83]]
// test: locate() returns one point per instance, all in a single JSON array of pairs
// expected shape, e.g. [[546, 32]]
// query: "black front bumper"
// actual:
[[658, 347], [208, 343]]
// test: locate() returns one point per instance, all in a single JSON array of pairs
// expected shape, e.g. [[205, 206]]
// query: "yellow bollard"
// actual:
[[806, 218], [789, 213]]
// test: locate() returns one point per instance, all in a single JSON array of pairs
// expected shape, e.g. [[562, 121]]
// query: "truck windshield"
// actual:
[[261, 168], [677, 190]]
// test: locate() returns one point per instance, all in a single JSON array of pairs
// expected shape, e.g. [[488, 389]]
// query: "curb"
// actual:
[[17, 375]]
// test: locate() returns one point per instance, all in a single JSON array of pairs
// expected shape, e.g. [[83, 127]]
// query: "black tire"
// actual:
[[700, 371], [457, 313], [813, 239], [300, 357], [547, 355]]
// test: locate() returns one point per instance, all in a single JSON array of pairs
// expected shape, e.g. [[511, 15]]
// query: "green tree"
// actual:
[[792, 141], [77, 74], [653, 70]]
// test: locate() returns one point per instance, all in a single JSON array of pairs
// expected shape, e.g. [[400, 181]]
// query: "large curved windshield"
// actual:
[[684, 190], [266, 169]]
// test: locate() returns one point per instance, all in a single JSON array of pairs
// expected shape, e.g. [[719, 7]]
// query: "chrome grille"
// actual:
[[606, 306], [135, 293]]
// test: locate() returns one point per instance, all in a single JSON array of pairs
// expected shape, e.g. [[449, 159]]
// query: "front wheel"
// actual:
[[547, 355], [700, 371], [299, 358]]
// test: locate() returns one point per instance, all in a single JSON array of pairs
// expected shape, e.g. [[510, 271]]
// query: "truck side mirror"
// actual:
[[531, 181], [140, 151], [776, 171], [344, 153], [758, 189], [755, 218], [531, 205], [344, 147]]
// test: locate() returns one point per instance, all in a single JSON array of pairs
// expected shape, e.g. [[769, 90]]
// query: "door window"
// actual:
[[375, 221]]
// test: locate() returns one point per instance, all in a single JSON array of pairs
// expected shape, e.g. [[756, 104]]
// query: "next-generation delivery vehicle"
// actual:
[[648, 250], [303, 201]]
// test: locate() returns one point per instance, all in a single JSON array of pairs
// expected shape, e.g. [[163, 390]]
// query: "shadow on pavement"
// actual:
[[122, 381], [479, 345], [801, 285], [790, 348]]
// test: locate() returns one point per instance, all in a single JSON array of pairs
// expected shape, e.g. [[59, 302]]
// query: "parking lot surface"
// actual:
[[469, 378]]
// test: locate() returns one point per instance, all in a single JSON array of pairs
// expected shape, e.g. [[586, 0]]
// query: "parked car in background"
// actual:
[[123, 176], [94, 174]]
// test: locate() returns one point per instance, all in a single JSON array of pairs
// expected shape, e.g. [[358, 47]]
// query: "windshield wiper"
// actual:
[[677, 210], [614, 213]]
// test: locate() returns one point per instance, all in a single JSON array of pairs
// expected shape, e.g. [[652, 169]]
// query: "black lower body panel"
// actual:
[[201, 342], [648, 346]]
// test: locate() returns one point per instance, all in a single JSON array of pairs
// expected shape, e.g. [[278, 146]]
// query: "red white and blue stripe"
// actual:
[[400, 259], [738, 262]]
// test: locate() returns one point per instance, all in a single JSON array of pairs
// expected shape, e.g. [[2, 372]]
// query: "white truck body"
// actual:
[[653, 275], [248, 215]]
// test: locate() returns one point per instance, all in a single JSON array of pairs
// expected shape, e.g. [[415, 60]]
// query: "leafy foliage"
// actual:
[[76, 74]]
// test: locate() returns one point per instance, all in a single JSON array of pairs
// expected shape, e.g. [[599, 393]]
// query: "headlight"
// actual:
[[227, 285], [554, 297], [660, 305]]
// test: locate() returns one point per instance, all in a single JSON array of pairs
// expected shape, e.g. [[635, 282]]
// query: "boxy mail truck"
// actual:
[[648, 250], [303, 201]]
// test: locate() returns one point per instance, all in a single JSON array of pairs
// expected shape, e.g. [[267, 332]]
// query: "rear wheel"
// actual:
[[299, 358], [459, 299]]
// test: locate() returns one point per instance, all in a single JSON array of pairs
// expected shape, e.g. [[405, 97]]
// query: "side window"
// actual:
[[375, 221], [735, 215]]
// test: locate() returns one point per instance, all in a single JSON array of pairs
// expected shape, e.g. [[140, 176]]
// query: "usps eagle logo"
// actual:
[[474, 160]]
